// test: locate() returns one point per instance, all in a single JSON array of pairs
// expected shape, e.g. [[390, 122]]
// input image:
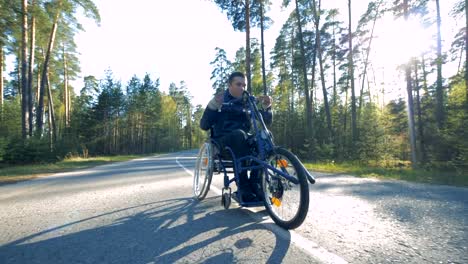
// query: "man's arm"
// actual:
[[208, 119], [266, 109], [211, 113], [267, 115]]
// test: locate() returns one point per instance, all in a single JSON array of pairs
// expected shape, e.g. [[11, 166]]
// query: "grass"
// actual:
[[402, 172], [14, 173]]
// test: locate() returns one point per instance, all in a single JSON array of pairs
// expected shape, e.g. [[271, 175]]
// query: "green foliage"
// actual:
[[371, 145], [10, 124], [27, 151], [392, 169], [256, 66], [239, 62], [235, 11], [222, 69], [456, 132]]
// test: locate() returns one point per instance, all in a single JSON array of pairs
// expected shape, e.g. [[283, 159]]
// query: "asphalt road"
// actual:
[[142, 211]]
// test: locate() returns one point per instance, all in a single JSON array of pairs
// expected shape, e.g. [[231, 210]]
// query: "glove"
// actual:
[[265, 100], [216, 102]]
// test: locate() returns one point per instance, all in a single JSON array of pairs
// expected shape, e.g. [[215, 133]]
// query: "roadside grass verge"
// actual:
[[14, 173], [402, 172]]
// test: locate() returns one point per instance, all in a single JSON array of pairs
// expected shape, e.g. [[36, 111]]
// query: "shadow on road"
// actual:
[[162, 232], [417, 205]]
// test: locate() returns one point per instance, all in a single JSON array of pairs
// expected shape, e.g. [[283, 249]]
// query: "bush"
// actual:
[[32, 150], [3, 147]]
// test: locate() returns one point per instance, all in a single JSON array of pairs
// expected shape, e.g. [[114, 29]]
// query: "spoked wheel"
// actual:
[[286, 202], [203, 171]]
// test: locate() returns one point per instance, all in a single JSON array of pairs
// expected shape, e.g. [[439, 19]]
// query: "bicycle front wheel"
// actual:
[[287, 203]]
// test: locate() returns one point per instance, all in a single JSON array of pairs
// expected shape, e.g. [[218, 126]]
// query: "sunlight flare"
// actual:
[[401, 40]]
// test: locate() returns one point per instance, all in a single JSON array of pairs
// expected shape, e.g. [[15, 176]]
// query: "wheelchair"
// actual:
[[282, 177]]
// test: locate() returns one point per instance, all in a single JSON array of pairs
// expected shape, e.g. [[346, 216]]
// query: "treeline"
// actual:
[[138, 118], [42, 119], [109, 118], [328, 106]]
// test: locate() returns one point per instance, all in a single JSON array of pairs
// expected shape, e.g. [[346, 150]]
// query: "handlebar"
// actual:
[[231, 107]]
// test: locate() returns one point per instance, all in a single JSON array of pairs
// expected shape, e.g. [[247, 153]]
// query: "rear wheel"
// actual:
[[203, 171], [286, 202]]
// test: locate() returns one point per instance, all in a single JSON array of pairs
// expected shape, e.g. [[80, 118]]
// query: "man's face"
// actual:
[[236, 87]]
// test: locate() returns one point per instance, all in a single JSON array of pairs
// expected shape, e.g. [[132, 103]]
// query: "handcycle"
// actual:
[[283, 178]]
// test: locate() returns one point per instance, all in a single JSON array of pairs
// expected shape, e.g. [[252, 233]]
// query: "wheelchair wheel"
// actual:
[[203, 171], [287, 203]]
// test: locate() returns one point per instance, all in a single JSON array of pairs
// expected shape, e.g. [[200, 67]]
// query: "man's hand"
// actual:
[[265, 100], [219, 97], [217, 101]]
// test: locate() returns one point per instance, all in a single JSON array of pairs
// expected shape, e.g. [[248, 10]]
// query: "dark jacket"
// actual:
[[225, 122]]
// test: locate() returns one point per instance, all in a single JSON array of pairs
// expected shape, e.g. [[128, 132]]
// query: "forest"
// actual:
[[322, 74]]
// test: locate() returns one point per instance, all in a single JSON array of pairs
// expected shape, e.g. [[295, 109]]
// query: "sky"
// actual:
[[172, 40], [175, 40]]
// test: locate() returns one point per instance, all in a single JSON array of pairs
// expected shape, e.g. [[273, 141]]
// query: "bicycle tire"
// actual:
[[205, 155], [300, 215]]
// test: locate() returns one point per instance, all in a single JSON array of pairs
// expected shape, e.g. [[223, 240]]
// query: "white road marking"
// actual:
[[308, 246]]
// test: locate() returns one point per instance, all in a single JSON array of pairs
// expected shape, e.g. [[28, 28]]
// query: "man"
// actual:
[[231, 128]]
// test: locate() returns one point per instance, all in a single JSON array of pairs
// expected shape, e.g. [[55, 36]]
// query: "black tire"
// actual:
[[203, 171], [226, 200], [276, 187]]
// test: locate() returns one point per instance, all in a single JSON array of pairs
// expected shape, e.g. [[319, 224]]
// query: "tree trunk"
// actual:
[[45, 70], [351, 76], [466, 52], [38, 88], [1, 80], [422, 145], [335, 94], [292, 72], [322, 72], [345, 122], [262, 45], [66, 96], [314, 65], [51, 110], [459, 68], [49, 119], [69, 102], [325, 95], [31, 68], [24, 74], [423, 61], [304, 72], [189, 123], [247, 45], [366, 62], [440, 115], [361, 95], [410, 103], [410, 106], [18, 78], [369, 90]]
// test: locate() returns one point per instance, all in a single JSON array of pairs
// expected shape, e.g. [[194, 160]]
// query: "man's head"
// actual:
[[236, 83]]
